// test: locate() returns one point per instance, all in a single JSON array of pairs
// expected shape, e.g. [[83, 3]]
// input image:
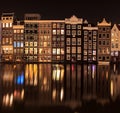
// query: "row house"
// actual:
[[70, 40], [90, 43], [31, 34], [73, 36], [7, 36], [18, 41], [115, 43], [104, 41]]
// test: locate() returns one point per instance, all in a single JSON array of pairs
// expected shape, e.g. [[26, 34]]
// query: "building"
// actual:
[[115, 43], [31, 37], [73, 36], [18, 41], [44, 41], [0, 41], [7, 36], [104, 41], [90, 43], [58, 41]]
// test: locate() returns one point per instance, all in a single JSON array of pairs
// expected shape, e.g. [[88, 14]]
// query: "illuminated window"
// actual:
[[22, 31], [62, 32], [10, 24], [31, 50], [116, 53], [54, 32], [18, 31], [58, 51], [26, 43], [14, 31], [21, 44], [18, 44], [7, 25], [35, 50], [35, 43], [112, 53], [54, 51], [3, 24], [14, 44], [94, 52], [26, 50], [31, 43]]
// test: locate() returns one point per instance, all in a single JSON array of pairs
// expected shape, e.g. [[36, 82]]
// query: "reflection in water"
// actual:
[[70, 84]]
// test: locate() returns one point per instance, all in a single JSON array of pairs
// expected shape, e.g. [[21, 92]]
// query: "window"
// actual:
[[107, 35], [85, 52], [54, 51], [14, 44], [10, 24], [26, 50], [68, 32], [68, 57], [94, 32], [79, 50], [54, 32], [94, 52], [35, 50], [22, 31], [78, 41], [68, 41], [78, 57], [68, 49], [116, 45], [73, 26], [79, 26], [35, 43], [26, 43], [68, 26], [99, 35], [21, 44], [14, 31], [73, 49], [79, 32], [62, 32], [7, 25], [73, 33], [3, 25], [58, 32], [58, 51], [99, 42], [18, 44], [31, 43], [73, 41], [85, 32]]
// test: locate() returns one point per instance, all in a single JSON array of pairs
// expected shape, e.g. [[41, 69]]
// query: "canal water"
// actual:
[[69, 88]]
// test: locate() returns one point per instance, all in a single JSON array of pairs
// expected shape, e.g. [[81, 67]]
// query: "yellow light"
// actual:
[[111, 87]]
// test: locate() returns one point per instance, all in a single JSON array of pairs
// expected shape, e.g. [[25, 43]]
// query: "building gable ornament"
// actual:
[[104, 23], [74, 20]]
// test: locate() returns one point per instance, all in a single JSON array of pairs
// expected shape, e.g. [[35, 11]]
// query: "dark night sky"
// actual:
[[92, 10]]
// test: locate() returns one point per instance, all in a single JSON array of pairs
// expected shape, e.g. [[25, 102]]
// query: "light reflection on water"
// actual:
[[58, 84]]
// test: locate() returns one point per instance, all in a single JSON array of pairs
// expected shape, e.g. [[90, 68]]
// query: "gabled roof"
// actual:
[[104, 23]]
